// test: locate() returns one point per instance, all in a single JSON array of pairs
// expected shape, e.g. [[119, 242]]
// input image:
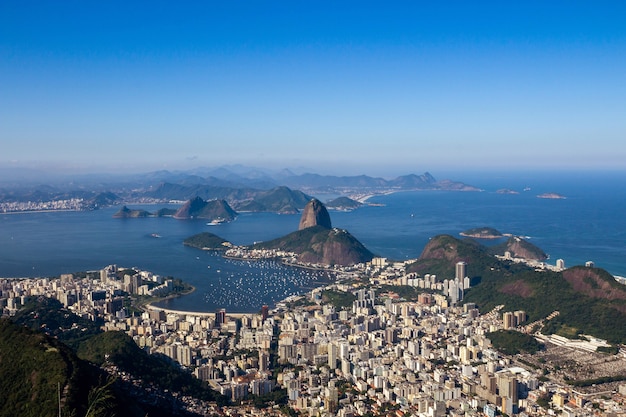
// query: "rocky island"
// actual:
[[126, 213], [213, 210], [317, 242], [482, 233]]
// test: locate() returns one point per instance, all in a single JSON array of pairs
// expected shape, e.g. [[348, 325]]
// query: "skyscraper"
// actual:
[[461, 271]]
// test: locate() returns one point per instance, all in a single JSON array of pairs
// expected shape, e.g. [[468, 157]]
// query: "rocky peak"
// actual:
[[314, 214]]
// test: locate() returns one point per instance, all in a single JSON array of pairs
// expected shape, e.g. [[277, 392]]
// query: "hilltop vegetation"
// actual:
[[343, 203], [124, 352], [318, 244], [279, 200], [482, 233], [47, 345], [589, 300], [126, 213], [519, 248], [511, 342], [33, 366], [206, 241]]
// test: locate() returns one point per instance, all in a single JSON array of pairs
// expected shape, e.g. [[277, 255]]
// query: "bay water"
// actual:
[[588, 225]]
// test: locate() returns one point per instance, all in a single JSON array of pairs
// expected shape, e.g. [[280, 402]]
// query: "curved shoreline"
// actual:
[[150, 306]]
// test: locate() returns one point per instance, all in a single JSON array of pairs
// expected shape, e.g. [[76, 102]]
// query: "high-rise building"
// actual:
[[333, 355], [461, 270], [264, 361], [220, 317], [508, 320]]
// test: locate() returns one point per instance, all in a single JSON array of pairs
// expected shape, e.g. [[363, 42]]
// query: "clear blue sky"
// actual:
[[336, 86]]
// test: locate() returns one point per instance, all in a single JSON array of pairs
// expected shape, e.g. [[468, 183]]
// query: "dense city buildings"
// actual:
[[379, 354]]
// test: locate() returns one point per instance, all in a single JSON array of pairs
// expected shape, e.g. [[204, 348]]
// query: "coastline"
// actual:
[[150, 305]]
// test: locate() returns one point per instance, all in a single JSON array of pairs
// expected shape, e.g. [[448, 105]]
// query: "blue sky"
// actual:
[[339, 87]]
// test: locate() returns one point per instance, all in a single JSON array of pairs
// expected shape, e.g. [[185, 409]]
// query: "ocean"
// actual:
[[588, 225]]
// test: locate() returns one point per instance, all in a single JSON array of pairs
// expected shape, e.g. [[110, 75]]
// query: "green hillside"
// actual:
[[205, 240], [120, 349], [589, 300], [35, 368], [318, 244]]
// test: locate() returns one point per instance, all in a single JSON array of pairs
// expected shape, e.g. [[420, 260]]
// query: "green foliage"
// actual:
[[120, 349], [544, 401], [611, 350], [596, 381], [443, 252], [539, 293], [339, 299], [33, 367], [511, 342], [205, 240], [515, 245], [276, 397], [404, 291], [49, 315], [317, 243], [343, 203], [101, 399]]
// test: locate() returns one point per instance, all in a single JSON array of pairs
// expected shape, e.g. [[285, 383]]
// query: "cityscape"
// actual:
[[168, 174], [375, 354]]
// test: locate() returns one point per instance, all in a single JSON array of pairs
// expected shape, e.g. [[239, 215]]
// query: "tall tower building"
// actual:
[[220, 317], [461, 270], [508, 320]]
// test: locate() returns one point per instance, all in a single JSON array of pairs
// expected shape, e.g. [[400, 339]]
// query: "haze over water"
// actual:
[[588, 225]]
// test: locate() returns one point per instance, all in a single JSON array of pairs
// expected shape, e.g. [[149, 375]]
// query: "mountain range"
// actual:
[[242, 187]]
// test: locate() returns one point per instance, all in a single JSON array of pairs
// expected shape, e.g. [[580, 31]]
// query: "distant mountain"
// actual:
[[414, 181], [214, 210], [183, 192], [104, 199], [278, 200], [316, 181], [363, 182]]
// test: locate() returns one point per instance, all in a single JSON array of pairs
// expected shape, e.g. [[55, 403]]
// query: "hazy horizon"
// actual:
[[344, 89]]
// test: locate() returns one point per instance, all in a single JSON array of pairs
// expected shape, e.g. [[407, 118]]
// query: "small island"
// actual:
[[207, 241], [126, 213], [343, 204], [553, 196], [506, 191], [482, 233]]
